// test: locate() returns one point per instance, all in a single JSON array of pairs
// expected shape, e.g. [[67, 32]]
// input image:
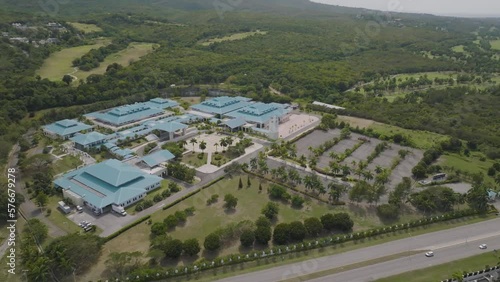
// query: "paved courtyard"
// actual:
[[296, 123], [211, 140]]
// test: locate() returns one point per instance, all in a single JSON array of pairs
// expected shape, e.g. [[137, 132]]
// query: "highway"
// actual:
[[448, 245]]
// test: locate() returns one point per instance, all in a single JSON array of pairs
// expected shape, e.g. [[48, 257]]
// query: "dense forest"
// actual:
[[308, 52]]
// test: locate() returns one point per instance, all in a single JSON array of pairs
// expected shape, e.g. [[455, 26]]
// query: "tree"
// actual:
[[313, 226], [240, 184], [297, 201], [193, 141], [477, 198], [171, 221], [419, 171], [181, 216], [278, 192], [263, 231], [230, 201], [281, 234], [67, 79], [437, 198], [260, 187], [41, 200], [388, 212], [253, 163], [247, 238], [343, 222], [191, 247], [203, 146], [270, 210], [297, 231], [212, 242], [173, 248], [248, 181], [37, 230], [158, 228]]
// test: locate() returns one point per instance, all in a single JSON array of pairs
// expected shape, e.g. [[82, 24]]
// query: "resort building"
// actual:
[[154, 163], [89, 140], [220, 106], [65, 129], [261, 114], [110, 182]]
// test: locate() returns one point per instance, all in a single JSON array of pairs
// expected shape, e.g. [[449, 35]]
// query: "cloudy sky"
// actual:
[[437, 7]]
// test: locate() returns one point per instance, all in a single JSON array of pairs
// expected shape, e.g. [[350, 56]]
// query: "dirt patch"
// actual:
[[354, 121]]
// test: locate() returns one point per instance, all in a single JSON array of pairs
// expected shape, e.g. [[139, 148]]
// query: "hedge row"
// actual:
[[141, 220], [470, 274], [193, 193], [157, 274]]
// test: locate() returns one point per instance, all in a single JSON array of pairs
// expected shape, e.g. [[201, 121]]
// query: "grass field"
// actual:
[[86, 28], [65, 164], [232, 37], [224, 272], [495, 44], [193, 160], [420, 139], [58, 218], [472, 164], [354, 121], [446, 270], [59, 63], [133, 52]]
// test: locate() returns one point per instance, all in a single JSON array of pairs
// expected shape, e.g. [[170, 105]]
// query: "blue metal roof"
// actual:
[[234, 123], [66, 127], [162, 103], [260, 112], [127, 114], [109, 182], [157, 158], [221, 105], [88, 138]]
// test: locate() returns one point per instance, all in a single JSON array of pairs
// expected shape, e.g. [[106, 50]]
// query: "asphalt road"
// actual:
[[448, 245]]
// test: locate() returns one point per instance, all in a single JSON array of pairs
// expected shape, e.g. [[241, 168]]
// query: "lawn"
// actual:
[[59, 63], [354, 121], [420, 139], [194, 160], [224, 158], [446, 270], [472, 164], [86, 28], [58, 218], [495, 44], [133, 52], [66, 163], [232, 37]]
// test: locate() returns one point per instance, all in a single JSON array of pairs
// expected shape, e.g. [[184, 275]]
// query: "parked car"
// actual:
[[429, 254], [483, 246], [79, 209]]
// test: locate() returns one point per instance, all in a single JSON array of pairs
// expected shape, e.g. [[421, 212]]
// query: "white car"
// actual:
[[79, 209], [429, 254], [483, 246]]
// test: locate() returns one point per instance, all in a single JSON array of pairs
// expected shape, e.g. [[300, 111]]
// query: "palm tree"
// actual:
[[336, 191], [312, 162], [378, 169], [333, 155], [229, 140], [367, 175], [253, 163], [182, 143], [308, 182], [334, 167], [203, 146], [321, 188], [223, 143], [274, 173], [346, 170], [193, 141]]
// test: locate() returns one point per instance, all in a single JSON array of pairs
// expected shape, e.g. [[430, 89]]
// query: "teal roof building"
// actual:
[[108, 183], [221, 105], [88, 140], [260, 113], [65, 128]]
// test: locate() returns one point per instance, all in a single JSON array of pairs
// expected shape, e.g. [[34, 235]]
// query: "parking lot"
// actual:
[[109, 222], [315, 139]]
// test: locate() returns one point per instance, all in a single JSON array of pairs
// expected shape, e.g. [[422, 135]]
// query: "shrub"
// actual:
[[388, 212], [165, 194], [171, 221], [181, 216], [313, 226], [270, 210], [173, 187], [212, 242], [191, 247], [157, 198], [281, 234], [297, 201], [247, 238]]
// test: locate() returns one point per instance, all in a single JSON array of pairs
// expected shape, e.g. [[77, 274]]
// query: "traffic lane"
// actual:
[[414, 262], [421, 242]]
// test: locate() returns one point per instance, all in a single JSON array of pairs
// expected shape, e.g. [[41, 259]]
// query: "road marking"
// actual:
[[462, 241]]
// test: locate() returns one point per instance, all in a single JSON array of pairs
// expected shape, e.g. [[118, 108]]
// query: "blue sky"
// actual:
[[437, 7]]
